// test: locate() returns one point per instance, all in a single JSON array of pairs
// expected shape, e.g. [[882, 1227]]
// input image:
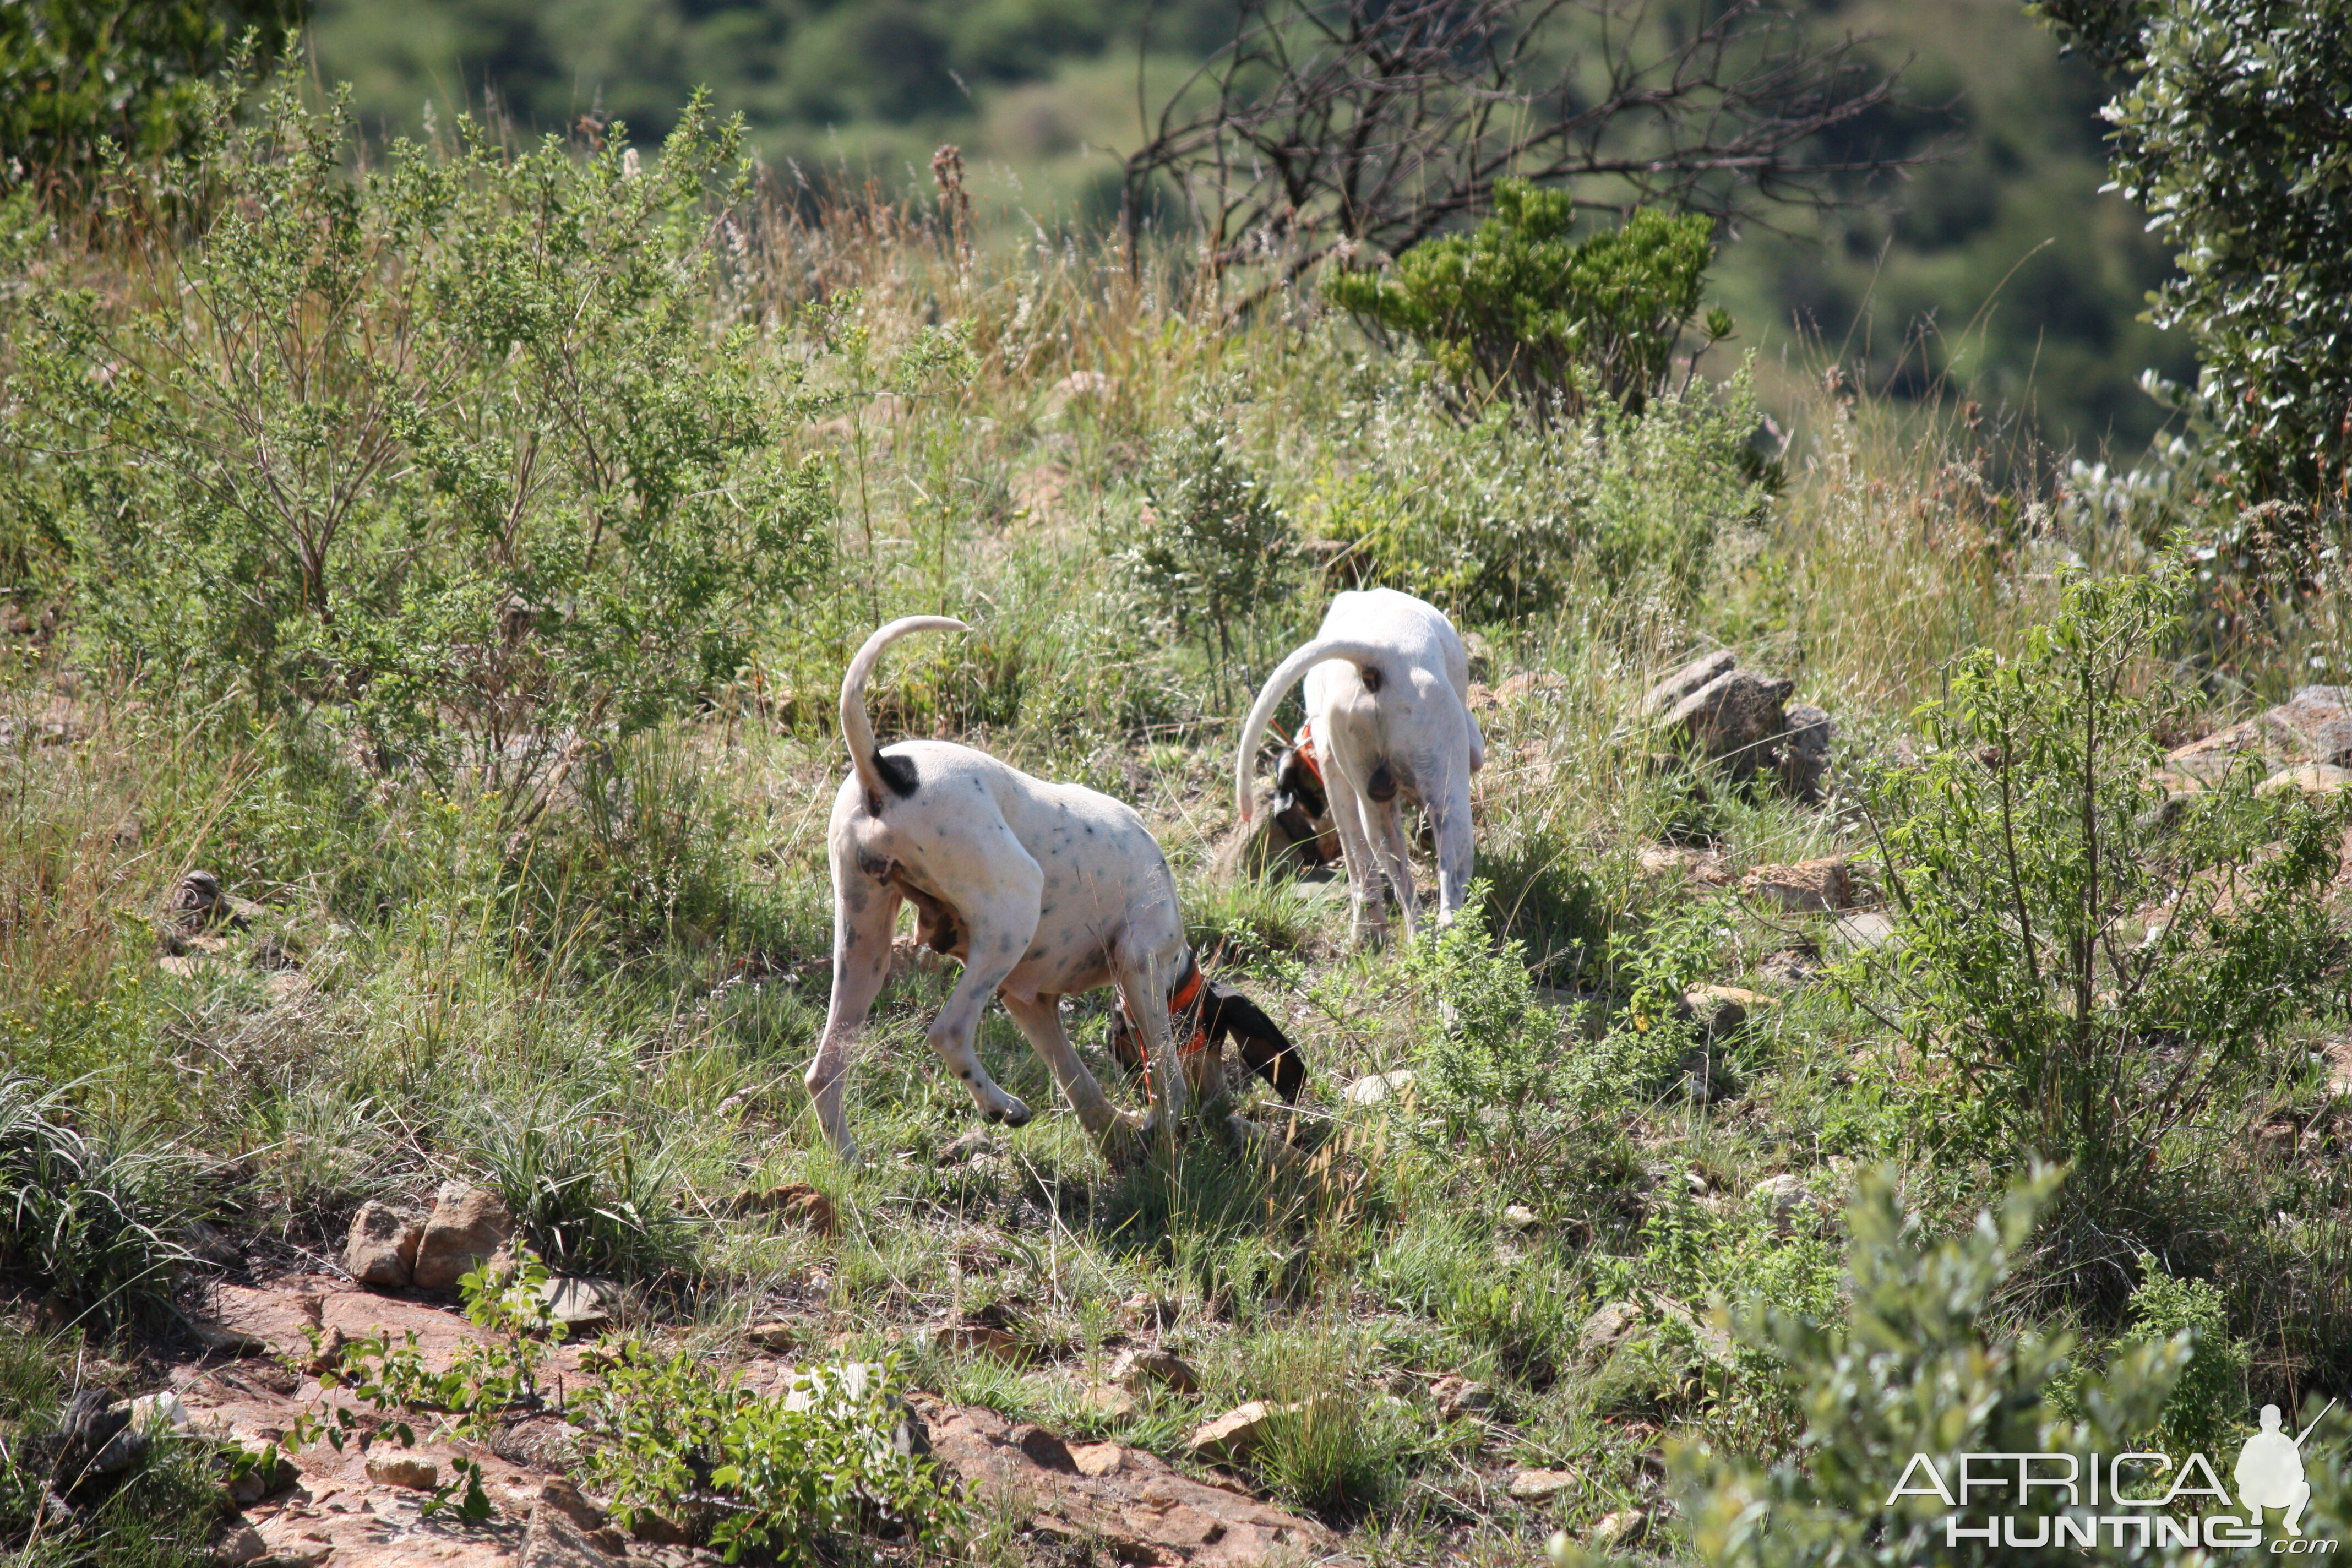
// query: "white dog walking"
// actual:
[[1388, 686], [1042, 889]]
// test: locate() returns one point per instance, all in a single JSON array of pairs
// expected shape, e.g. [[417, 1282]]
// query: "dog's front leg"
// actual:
[[1001, 923], [864, 911], [1040, 1018], [1142, 979]]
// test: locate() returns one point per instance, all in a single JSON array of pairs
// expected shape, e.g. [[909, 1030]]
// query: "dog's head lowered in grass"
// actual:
[[1204, 1015]]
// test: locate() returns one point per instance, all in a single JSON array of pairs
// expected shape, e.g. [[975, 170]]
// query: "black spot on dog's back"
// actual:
[[899, 773]]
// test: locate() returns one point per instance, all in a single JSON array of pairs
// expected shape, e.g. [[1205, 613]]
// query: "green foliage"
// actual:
[[1216, 552], [585, 1192], [446, 453], [82, 80], [2228, 134], [87, 1218], [1500, 1077], [1920, 1363], [1503, 519], [2207, 1406], [487, 1379], [2100, 974], [786, 1477], [1517, 305]]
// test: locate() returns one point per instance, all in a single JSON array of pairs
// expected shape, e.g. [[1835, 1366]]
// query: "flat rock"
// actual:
[[1708, 868], [1611, 1530], [382, 1246], [2307, 778], [1541, 1486], [1143, 1511], [578, 1304], [1705, 667], [1805, 887], [241, 1321], [1379, 1087], [1108, 1402], [2315, 725], [467, 1226], [1459, 1396], [400, 1469], [1158, 1369], [1237, 1433], [775, 1334], [555, 1540], [1862, 930], [1608, 1327], [1737, 719]]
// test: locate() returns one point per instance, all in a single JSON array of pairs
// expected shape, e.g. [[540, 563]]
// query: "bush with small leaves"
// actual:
[[1519, 305]]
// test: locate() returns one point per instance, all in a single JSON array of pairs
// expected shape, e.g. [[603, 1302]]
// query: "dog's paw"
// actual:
[[1016, 1111], [1003, 1109]]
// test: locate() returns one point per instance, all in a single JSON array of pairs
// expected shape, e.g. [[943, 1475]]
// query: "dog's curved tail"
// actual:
[[1365, 655], [882, 776]]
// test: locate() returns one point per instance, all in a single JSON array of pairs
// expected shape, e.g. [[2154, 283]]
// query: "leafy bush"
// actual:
[[1501, 521], [1497, 1077], [1217, 550], [2207, 1406], [2102, 969], [83, 79], [2227, 133], [787, 1478], [1517, 305], [90, 1219], [1921, 1363], [445, 452]]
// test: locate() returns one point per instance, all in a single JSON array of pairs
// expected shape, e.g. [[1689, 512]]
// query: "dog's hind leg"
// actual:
[[1367, 906], [1040, 1018], [1388, 825], [863, 913]]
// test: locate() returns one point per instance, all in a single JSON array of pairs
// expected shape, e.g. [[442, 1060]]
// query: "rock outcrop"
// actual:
[[1742, 722]]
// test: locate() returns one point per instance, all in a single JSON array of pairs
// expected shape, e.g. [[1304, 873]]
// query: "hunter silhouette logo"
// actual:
[[2132, 1500], [2270, 1471]]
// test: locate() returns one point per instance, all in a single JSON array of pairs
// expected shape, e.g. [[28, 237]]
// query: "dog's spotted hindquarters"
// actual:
[[1388, 687], [1041, 891]]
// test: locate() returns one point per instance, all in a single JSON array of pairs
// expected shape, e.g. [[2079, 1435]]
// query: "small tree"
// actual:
[[442, 454], [1519, 305], [2097, 966], [1216, 549], [2230, 134]]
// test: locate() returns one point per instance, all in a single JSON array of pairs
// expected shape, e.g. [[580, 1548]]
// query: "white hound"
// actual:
[[1042, 889], [1388, 687]]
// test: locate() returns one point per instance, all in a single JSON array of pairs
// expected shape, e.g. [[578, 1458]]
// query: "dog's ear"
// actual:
[[1265, 1050], [1295, 785]]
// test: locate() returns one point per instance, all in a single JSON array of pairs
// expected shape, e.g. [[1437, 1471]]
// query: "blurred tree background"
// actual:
[[2000, 275]]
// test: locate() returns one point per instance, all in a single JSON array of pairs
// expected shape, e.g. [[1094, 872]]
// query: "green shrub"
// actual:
[[83, 81], [445, 453], [788, 1477], [1517, 305], [2104, 970], [1499, 521], [1216, 552], [2207, 1406], [2227, 135], [88, 1218], [1921, 1362]]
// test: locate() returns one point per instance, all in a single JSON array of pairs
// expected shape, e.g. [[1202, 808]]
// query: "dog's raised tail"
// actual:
[[1288, 673], [874, 771]]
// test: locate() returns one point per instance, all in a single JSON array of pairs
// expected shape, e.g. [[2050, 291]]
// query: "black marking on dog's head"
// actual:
[[1382, 787], [1265, 1050], [899, 773], [1371, 677], [1296, 787]]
